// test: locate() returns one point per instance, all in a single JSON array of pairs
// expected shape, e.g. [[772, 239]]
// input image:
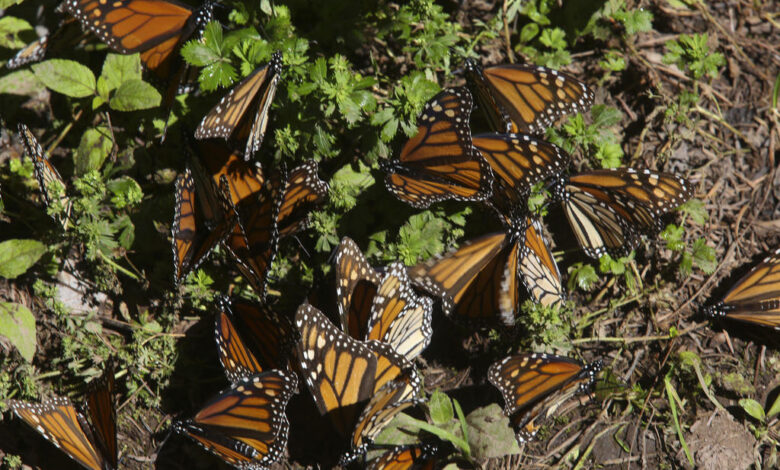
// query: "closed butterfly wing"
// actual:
[[478, 282], [33, 52], [535, 385], [102, 413], [399, 317], [518, 161], [356, 286], [254, 240], [58, 421], [200, 222], [245, 425], [304, 191], [410, 457], [265, 340], [609, 210], [391, 365], [89, 441], [50, 182], [538, 270], [755, 298], [243, 113], [440, 162], [526, 98], [391, 399], [245, 180]]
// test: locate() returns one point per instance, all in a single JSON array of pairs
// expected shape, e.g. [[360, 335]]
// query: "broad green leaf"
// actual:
[[17, 256], [134, 95], [9, 28], [440, 407], [67, 77], [22, 83], [17, 324], [120, 68], [126, 192], [490, 434], [93, 149], [196, 53], [7, 3], [753, 408], [775, 408]]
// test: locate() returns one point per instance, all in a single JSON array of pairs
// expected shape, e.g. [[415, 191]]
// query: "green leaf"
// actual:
[[775, 408], [8, 3], [490, 434], [10, 27], [753, 408], [196, 53], [695, 210], [126, 192], [21, 83], [134, 95], [440, 407], [120, 68], [347, 184], [93, 149], [582, 275], [704, 256], [529, 32], [17, 325], [18, 255], [67, 77]]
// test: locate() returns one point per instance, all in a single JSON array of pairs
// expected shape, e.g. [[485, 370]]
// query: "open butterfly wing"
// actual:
[[440, 162], [518, 161], [246, 424], [535, 97]]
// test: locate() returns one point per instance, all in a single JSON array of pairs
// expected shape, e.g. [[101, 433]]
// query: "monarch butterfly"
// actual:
[[33, 52], [245, 425], [341, 372], [518, 161], [392, 314], [755, 298], [440, 162], [89, 441], [201, 220], [423, 456], [609, 209], [478, 282], [265, 341], [154, 28], [49, 180], [535, 385], [525, 98], [279, 210], [243, 113]]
